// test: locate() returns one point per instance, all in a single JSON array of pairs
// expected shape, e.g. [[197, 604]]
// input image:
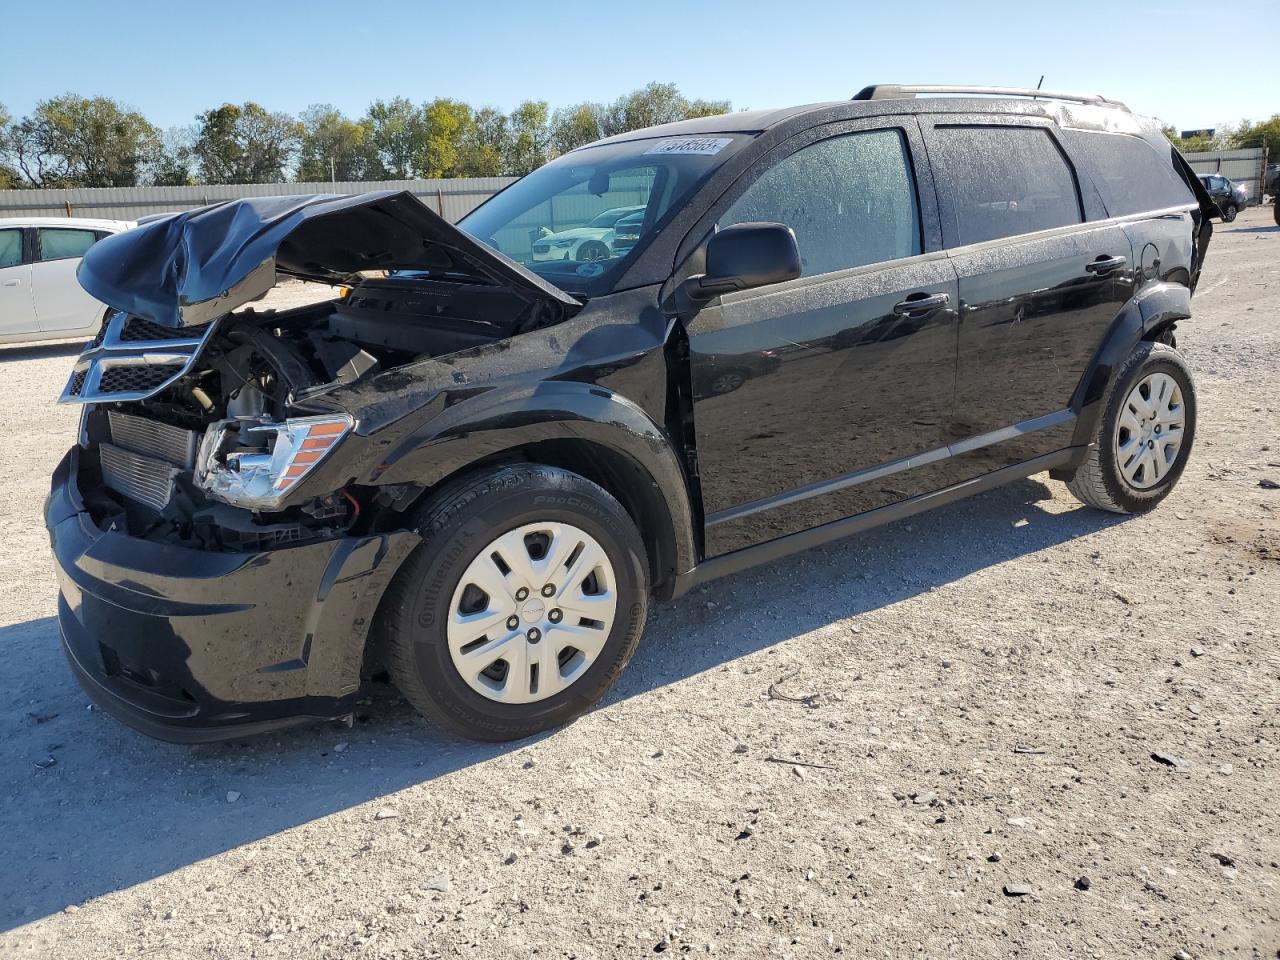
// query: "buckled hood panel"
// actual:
[[186, 269]]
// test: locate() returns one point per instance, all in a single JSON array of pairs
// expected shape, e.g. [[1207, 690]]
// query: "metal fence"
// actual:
[[1241, 166], [452, 199]]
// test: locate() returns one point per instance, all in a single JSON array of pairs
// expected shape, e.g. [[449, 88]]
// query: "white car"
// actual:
[[589, 243], [39, 296]]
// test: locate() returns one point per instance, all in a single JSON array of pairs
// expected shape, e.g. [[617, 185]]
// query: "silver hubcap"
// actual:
[[532, 612], [1150, 430]]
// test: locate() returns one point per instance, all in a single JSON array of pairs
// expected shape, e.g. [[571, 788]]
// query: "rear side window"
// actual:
[[57, 243], [1130, 174], [851, 201], [1003, 181], [10, 248]]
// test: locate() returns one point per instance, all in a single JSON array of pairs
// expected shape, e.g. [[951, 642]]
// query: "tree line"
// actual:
[[75, 141], [1233, 136]]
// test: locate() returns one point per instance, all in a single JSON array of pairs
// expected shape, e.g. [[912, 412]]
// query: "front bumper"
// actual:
[[192, 645]]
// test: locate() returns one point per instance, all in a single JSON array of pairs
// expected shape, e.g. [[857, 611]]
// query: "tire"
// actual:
[[1101, 481], [424, 611], [1229, 212], [592, 251], [1275, 210]]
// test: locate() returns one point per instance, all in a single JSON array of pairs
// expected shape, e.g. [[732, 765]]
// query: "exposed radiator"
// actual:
[[153, 438], [140, 478]]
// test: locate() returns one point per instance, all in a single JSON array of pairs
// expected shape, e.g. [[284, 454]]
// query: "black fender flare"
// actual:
[[509, 420], [1155, 306]]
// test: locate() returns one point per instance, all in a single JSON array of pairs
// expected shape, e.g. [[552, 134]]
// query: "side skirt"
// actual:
[[795, 542]]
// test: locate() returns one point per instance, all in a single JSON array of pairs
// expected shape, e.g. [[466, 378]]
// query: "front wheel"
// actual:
[[522, 605], [1229, 212], [1144, 436]]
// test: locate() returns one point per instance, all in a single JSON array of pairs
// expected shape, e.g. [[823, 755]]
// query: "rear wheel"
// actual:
[[1144, 436], [524, 602]]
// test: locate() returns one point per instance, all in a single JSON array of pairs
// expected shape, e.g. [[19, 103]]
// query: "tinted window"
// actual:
[[58, 244], [1129, 174], [10, 248], [1003, 181], [851, 201]]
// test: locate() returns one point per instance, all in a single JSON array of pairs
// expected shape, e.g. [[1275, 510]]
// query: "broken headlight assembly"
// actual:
[[256, 463]]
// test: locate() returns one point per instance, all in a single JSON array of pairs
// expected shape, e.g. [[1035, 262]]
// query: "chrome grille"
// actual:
[[133, 360], [140, 478], [153, 438]]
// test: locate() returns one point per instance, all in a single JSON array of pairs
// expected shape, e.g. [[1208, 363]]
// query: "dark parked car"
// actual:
[[476, 469], [1230, 196]]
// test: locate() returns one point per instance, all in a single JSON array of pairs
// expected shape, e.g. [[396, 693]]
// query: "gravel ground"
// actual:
[[966, 704]]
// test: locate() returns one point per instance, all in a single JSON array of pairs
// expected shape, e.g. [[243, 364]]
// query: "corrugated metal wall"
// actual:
[[452, 199], [1241, 166]]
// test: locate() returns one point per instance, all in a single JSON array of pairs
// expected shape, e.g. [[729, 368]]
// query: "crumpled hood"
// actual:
[[186, 269]]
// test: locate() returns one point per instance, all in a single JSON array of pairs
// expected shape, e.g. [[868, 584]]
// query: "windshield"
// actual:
[[562, 220]]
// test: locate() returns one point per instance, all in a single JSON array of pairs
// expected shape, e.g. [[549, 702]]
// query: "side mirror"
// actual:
[[744, 256]]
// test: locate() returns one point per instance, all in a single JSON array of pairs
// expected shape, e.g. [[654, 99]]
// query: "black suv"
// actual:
[[1230, 197], [475, 469]]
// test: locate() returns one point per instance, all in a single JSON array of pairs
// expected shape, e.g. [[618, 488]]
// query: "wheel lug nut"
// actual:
[[555, 615], [522, 593], [534, 635], [548, 590], [513, 622]]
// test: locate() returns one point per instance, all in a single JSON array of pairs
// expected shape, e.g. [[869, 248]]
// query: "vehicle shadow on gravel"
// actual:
[[114, 809], [41, 351]]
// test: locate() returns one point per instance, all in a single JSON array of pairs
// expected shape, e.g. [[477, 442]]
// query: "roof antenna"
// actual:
[[1038, 85]]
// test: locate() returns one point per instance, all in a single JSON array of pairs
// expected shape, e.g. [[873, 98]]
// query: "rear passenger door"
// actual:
[[61, 303], [1039, 286]]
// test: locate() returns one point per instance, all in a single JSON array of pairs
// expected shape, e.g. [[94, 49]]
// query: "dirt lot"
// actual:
[[979, 695]]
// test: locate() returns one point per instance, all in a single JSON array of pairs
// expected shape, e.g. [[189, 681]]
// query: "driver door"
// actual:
[[828, 395]]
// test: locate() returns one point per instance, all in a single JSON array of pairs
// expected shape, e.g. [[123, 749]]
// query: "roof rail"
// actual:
[[894, 91]]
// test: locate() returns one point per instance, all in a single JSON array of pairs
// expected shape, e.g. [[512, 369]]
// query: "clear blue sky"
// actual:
[[172, 59]]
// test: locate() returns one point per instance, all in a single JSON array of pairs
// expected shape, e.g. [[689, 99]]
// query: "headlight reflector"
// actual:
[[255, 465]]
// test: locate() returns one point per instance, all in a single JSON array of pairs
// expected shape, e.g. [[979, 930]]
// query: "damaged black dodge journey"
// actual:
[[658, 359]]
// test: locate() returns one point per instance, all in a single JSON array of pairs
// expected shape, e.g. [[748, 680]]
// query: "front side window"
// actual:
[[10, 248], [561, 221], [851, 201], [1003, 181], [57, 243]]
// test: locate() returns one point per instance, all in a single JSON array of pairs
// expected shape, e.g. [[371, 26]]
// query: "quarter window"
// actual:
[[10, 248], [851, 200], [1003, 181], [1129, 174], [58, 243]]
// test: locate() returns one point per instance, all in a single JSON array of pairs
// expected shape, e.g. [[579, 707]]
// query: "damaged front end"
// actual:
[[220, 540], [202, 427]]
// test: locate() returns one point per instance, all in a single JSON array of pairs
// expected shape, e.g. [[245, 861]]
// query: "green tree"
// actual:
[[573, 127], [245, 144], [445, 126], [530, 138], [9, 176], [393, 131], [172, 164], [333, 147], [485, 145], [73, 141], [1264, 133]]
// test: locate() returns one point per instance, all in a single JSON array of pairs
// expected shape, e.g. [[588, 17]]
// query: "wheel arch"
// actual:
[[580, 427], [1150, 315]]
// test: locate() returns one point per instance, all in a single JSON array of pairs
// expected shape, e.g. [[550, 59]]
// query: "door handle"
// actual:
[[1105, 264], [10, 283], [919, 304]]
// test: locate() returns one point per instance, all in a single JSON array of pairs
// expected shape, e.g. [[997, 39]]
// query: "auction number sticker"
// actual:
[[696, 146]]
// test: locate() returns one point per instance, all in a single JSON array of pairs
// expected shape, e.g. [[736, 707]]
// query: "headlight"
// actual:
[[255, 465], [562, 244]]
